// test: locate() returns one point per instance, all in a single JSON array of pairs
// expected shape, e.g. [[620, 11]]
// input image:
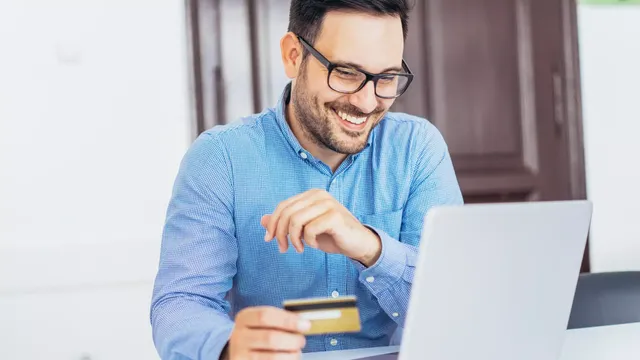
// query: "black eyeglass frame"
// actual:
[[368, 76]]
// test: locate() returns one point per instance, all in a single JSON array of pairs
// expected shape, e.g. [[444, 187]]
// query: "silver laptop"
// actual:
[[495, 282]]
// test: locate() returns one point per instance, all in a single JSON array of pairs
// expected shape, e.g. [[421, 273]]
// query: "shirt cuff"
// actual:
[[388, 270], [220, 342]]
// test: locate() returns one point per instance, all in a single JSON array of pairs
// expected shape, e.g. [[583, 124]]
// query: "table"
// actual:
[[615, 342]]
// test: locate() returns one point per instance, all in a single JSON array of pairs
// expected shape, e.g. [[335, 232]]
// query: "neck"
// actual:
[[320, 152]]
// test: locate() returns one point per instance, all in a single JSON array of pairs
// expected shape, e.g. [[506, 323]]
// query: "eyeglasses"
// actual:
[[349, 80]]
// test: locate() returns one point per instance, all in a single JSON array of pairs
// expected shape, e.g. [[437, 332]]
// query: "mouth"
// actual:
[[351, 122]]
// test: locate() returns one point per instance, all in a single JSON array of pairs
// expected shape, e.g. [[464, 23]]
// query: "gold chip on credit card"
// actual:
[[327, 315]]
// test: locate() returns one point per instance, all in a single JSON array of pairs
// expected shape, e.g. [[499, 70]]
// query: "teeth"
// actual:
[[352, 119]]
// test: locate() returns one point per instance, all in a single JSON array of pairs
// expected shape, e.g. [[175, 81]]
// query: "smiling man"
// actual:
[[321, 196]]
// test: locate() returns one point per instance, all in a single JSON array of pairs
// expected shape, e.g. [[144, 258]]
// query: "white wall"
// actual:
[[94, 119], [610, 61]]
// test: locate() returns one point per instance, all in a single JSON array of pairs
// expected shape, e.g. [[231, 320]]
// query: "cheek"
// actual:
[[328, 97], [316, 78], [386, 103]]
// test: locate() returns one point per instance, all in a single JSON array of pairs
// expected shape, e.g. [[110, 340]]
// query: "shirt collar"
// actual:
[[286, 129], [281, 119]]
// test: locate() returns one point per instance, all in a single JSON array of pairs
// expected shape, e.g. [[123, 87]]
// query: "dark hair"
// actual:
[[306, 16]]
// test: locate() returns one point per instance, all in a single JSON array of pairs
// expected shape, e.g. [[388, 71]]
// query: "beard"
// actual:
[[319, 125]]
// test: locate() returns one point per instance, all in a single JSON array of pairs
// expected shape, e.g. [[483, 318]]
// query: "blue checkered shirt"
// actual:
[[214, 260]]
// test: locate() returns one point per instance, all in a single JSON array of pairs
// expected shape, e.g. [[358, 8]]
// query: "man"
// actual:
[[322, 196]]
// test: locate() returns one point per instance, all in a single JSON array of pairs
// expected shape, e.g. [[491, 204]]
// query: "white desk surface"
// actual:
[[616, 342]]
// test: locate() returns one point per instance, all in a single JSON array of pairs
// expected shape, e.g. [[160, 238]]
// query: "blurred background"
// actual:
[[99, 100]]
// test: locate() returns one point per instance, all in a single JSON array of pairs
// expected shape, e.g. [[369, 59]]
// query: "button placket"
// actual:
[[333, 264]]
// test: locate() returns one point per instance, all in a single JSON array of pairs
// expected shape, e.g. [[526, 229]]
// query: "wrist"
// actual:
[[373, 249]]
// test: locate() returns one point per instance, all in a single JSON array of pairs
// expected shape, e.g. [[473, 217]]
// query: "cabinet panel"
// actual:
[[498, 78], [476, 80], [481, 84]]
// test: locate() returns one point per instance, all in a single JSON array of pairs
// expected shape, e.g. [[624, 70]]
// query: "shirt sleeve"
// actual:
[[189, 313], [433, 183]]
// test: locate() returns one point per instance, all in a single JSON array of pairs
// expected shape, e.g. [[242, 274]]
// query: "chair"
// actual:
[[607, 298]]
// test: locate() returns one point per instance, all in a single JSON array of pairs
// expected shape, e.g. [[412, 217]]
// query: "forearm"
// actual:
[[390, 278], [184, 328]]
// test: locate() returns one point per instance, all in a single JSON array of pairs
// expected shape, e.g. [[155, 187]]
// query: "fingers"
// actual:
[[297, 215], [267, 333], [282, 226], [273, 340], [271, 226], [278, 223], [301, 218], [265, 220], [272, 318], [320, 225]]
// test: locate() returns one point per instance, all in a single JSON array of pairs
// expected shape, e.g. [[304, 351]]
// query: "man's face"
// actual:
[[343, 122]]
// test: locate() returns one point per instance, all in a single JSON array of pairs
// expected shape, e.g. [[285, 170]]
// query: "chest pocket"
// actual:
[[390, 222]]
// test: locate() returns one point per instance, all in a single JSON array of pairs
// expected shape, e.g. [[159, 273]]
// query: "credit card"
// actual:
[[327, 315]]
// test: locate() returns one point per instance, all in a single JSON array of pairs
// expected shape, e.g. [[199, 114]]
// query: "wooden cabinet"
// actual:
[[493, 77], [499, 78]]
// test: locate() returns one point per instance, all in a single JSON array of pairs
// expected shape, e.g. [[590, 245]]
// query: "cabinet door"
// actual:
[[500, 79], [493, 79]]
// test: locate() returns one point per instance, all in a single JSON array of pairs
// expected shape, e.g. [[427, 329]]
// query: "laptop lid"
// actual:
[[495, 281]]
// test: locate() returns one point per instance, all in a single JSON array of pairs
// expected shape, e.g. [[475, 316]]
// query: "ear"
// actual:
[[291, 51]]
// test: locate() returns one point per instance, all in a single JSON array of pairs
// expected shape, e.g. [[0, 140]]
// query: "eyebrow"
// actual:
[[353, 65]]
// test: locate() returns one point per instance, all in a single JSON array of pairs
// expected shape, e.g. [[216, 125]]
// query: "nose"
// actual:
[[365, 99]]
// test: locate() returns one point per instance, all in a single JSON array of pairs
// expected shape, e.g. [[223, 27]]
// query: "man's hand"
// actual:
[[267, 333], [317, 219]]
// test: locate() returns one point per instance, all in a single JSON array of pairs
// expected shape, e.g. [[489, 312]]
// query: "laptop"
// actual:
[[495, 281]]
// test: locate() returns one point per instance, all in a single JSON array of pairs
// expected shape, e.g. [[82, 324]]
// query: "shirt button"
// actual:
[[335, 294], [395, 314], [370, 279], [303, 155], [333, 342]]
